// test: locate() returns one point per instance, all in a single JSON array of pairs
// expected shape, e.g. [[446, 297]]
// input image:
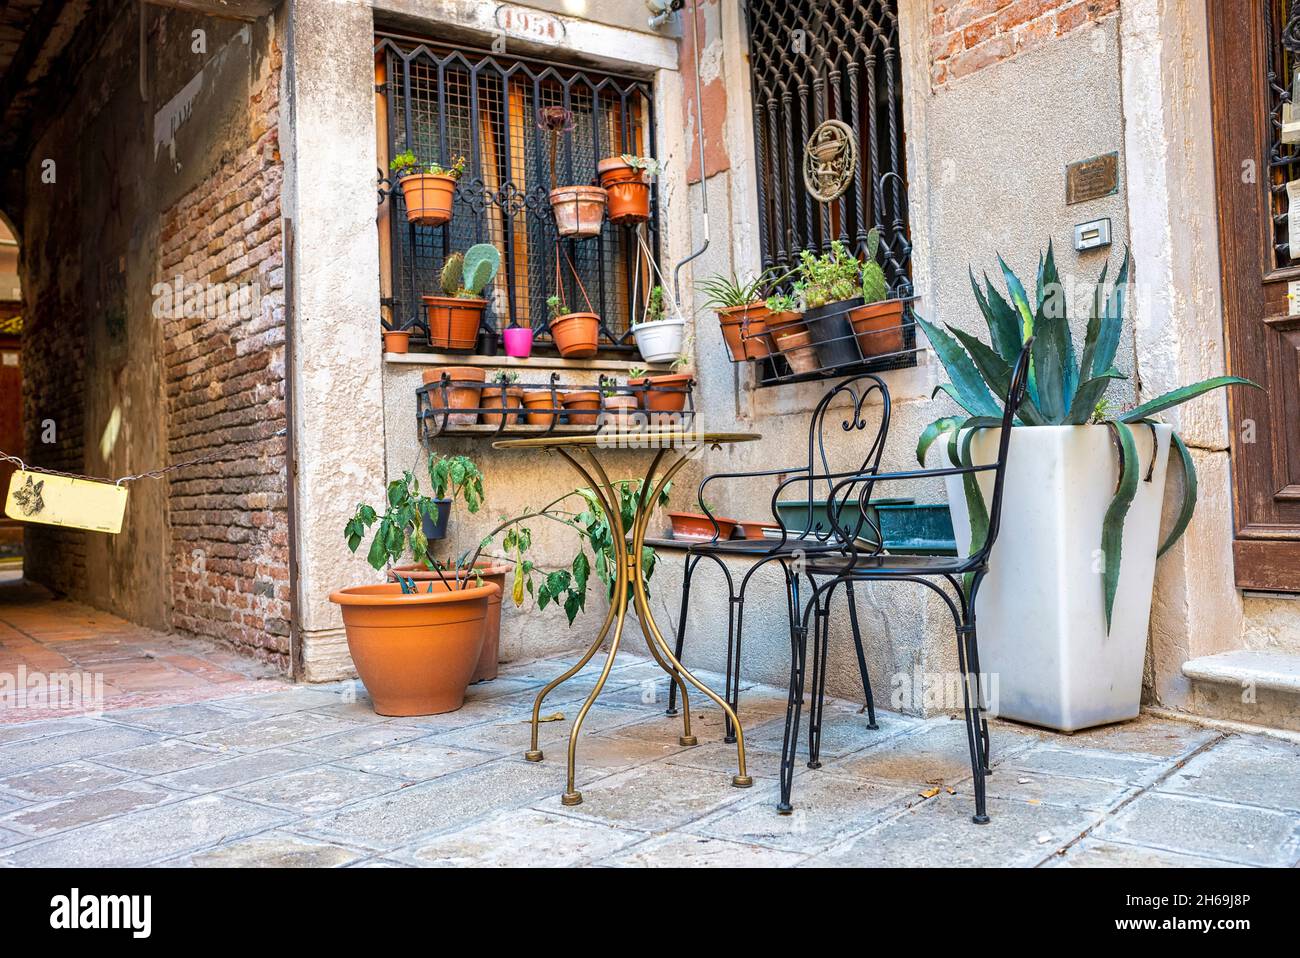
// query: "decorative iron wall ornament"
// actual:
[[830, 161]]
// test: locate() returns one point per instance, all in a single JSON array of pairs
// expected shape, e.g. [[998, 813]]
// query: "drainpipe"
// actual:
[[699, 144]]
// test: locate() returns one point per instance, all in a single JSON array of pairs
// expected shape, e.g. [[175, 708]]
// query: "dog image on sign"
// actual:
[[64, 501]]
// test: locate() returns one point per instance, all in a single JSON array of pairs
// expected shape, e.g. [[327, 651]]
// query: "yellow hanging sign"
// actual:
[[62, 501]]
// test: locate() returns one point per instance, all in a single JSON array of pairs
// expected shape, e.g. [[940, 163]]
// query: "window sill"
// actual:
[[533, 362]]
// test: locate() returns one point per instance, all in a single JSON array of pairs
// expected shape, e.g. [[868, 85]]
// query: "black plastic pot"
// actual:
[[832, 333], [488, 340], [436, 528]]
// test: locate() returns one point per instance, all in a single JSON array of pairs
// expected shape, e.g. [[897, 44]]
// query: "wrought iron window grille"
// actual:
[[442, 102]]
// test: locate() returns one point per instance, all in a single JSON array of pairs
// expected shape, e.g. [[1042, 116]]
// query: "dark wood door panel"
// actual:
[[1250, 76]]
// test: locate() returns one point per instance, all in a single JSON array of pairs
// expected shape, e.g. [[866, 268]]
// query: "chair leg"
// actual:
[[974, 659], [794, 702], [862, 658], [817, 701], [735, 626], [689, 571], [974, 738]]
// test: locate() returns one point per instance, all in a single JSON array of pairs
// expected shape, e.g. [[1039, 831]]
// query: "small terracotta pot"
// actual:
[[428, 198], [453, 320], [518, 341], [576, 334], [879, 327], [671, 398], [628, 189], [577, 402], [540, 399], [781, 325], [754, 530], [494, 397], [415, 653], [620, 409], [579, 210], [489, 571], [797, 348], [397, 341], [467, 395], [745, 330], [699, 527]]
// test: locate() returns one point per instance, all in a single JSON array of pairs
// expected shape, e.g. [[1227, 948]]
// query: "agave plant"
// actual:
[[1065, 389]]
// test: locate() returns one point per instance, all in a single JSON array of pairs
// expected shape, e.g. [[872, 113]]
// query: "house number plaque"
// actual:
[[1092, 179], [529, 24]]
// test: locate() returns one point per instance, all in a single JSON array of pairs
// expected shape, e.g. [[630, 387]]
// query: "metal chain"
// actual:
[[152, 474]]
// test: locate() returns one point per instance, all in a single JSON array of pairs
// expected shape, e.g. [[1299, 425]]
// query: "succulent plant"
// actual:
[[453, 274], [481, 263], [830, 278], [874, 286], [1063, 390]]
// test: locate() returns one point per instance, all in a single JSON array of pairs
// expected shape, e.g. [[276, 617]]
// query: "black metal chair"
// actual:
[[793, 547], [872, 565]]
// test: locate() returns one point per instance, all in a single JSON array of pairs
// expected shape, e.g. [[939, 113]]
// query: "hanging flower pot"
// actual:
[[581, 406], [879, 327], [744, 328], [627, 181], [518, 341], [660, 341], [427, 192], [576, 334], [463, 393], [579, 210], [397, 340]]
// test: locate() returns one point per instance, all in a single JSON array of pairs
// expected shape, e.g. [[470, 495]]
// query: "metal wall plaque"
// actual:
[[830, 160], [1092, 179]]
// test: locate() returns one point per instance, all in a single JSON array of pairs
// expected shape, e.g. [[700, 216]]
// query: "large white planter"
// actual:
[[660, 341], [1040, 610]]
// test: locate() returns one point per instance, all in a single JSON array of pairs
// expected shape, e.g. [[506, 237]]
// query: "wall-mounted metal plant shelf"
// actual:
[[831, 345], [618, 406]]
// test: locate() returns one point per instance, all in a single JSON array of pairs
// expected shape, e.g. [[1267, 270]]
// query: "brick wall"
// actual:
[[968, 35], [224, 375]]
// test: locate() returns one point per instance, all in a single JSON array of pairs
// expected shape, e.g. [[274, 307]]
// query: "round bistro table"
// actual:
[[582, 452]]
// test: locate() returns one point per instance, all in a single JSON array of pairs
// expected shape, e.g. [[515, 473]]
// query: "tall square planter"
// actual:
[[1040, 610]]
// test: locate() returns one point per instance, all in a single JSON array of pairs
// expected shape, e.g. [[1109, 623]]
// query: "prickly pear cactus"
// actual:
[[481, 264], [453, 274], [874, 286]]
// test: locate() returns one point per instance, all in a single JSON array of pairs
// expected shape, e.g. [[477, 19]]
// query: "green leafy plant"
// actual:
[[406, 164], [646, 164], [399, 526], [875, 288], [782, 303], [455, 171], [456, 477], [654, 306], [554, 307], [830, 278], [635, 372], [506, 377], [725, 291], [1065, 389]]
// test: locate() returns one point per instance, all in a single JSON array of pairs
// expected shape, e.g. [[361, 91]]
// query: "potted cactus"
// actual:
[[1064, 609], [454, 317], [878, 325], [428, 192]]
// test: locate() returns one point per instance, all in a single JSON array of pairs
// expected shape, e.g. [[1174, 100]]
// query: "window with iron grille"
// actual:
[[818, 60], [1282, 63], [446, 102]]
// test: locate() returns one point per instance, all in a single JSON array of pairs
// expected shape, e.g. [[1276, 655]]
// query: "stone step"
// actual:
[[1258, 687]]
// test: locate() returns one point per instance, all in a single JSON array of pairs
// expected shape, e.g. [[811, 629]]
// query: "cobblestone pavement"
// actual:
[[309, 775]]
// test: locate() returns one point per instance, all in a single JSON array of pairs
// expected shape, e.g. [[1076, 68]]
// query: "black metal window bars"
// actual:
[[818, 60], [620, 407], [443, 102]]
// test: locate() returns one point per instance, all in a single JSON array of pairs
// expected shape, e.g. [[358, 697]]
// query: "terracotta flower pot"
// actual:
[[745, 330], [797, 348], [453, 320], [671, 397], [879, 327], [620, 410], [579, 210], [756, 530], [415, 653], [397, 341], [577, 402], [576, 334], [489, 571], [781, 325], [698, 527], [428, 198], [463, 394], [542, 400], [628, 189], [495, 397]]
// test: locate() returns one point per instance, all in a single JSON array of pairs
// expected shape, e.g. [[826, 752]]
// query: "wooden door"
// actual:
[[1252, 74]]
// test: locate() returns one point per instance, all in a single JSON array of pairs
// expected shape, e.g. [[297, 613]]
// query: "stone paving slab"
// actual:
[[523, 837], [181, 719], [313, 791], [356, 741], [1259, 772], [47, 818], [684, 850], [273, 849], [282, 729], [61, 781], [416, 761], [1213, 829], [234, 769], [92, 742], [158, 758], [1095, 853]]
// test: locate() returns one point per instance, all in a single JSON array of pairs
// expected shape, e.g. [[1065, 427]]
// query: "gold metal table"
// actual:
[[684, 445]]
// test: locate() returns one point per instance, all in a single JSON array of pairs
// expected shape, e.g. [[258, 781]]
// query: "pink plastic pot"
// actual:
[[519, 341]]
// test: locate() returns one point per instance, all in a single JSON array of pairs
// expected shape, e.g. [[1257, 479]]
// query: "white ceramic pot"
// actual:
[[660, 341], [1040, 610]]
